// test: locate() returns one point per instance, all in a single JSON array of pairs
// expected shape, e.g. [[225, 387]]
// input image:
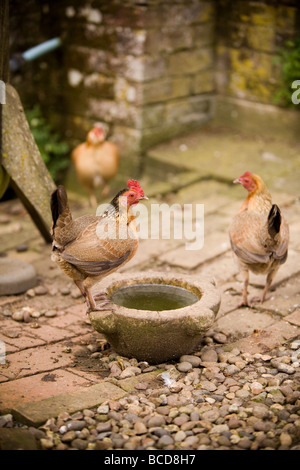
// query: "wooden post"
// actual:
[[19, 155], [4, 54]]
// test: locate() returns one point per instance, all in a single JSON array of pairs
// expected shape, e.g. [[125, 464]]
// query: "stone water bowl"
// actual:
[[156, 317]]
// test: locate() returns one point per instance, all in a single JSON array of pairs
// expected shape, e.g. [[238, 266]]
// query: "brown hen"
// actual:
[[90, 247], [259, 234], [96, 162]]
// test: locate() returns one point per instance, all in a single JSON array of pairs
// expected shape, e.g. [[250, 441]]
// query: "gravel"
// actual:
[[212, 399]]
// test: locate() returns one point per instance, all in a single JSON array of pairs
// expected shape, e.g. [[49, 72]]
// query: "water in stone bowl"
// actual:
[[155, 297]]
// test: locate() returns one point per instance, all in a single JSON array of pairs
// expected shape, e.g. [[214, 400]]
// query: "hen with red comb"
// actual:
[[89, 248], [259, 234]]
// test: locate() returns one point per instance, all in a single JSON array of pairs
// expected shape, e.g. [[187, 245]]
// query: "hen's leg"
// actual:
[[82, 289], [93, 200], [244, 302], [269, 281], [105, 190], [80, 286]]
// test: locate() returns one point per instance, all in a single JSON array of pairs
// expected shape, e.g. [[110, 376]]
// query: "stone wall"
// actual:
[[151, 69], [31, 23], [249, 35], [145, 68]]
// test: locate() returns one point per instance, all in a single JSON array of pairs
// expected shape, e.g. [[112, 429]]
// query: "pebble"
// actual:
[[18, 315], [220, 338], [104, 427], [179, 436], [184, 366], [46, 444], [195, 361], [260, 411], [140, 427], [65, 291], [232, 369], [181, 419], [210, 355], [210, 386], [75, 293], [103, 409], [156, 421], [282, 367], [79, 444], [75, 425], [21, 248], [50, 313], [68, 436], [164, 441], [4, 219], [244, 443], [40, 290], [130, 371], [285, 439]]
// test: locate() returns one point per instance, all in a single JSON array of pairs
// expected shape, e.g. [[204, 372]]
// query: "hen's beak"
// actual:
[[237, 180], [144, 197]]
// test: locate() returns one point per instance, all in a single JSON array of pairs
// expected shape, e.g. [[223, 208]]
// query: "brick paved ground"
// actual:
[[49, 365]]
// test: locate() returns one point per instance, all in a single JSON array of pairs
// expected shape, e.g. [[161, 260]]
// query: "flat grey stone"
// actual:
[[37, 412], [16, 276], [17, 439]]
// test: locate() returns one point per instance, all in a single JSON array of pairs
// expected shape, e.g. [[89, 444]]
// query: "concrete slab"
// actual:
[[16, 276], [215, 245], [243, 322], [294, 318], [269, 338], [223, 154], [40, 386], [17, 439], [37, 412]]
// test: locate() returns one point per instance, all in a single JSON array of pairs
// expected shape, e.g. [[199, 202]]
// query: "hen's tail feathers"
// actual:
[[274, 221], [58, 204]]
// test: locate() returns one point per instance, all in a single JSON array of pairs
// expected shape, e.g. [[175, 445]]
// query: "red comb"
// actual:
[[247, 173], [133, 184]]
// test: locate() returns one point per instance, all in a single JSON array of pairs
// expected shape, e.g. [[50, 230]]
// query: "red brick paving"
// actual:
[[41, 386]]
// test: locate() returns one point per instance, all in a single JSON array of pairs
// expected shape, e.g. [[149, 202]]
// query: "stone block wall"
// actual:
[[143, 67], [249, 34], [146, 68], [150, 69], [31, 23]]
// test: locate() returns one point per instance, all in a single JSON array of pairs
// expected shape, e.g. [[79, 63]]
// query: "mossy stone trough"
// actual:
[[162, 334]]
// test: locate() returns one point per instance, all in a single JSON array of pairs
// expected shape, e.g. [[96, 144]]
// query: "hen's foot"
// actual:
[[258, 300], [101, 307], [243, 303], [100, 296]]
